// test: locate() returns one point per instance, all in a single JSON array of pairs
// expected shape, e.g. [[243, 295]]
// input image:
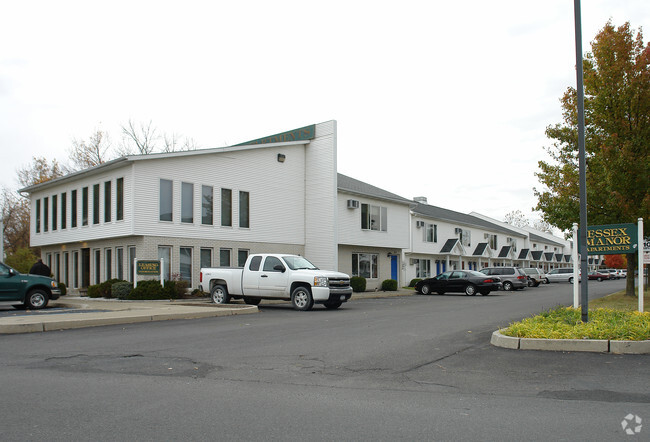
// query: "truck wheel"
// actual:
[[301, 299], [332, 305], [220, 295], [252, 301], [36, 299]]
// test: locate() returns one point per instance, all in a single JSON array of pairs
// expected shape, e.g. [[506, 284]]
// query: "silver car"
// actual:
[[535, 276], [512, 278], [560, 275]]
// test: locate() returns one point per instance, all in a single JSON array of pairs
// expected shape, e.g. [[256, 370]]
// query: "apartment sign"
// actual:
[[151, 267], [612, 239]]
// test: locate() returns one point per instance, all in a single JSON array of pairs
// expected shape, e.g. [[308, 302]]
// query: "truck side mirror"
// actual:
[[279, 268]]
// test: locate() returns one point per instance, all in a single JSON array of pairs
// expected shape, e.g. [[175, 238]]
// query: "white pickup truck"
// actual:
[[277, 276]]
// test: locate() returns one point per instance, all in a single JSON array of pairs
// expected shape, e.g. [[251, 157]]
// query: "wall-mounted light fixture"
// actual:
[[281, 157]]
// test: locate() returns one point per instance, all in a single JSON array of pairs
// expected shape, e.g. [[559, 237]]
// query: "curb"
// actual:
[[26, 324], [570, 345]]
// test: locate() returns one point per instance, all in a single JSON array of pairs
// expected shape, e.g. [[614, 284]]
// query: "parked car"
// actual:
[[535, 276], [613, 273], [26, 291], [598, 275], [560, 275], [622, 273], [459, 281], [512, 278]]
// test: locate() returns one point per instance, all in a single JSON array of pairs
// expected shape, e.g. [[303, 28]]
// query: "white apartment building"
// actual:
[[281, 193]]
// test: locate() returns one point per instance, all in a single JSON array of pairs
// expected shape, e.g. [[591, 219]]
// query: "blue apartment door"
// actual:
[[393, 267]]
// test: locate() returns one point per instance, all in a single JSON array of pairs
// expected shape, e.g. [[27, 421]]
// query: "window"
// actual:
[[108, 262], [66, 263], [465, 236], [187, 202], [422, 268], [98, 268], [431, 233], [207, 205], [131, 263], [206, 258], [84, 206], [107, 202], [46, 216], [374, 217], [95, 203], [270, 262], [119, 263], [492, 240], [364, 264], [57, 266], [55, 206], [73, 208], [255, 263], [75, 269], [226, 207], [165, 253], [224, 257], [119, 199], [244, 199], [166, 200], [512, 242], [186, 264], [38, 216], [64, 211], [242, 256]]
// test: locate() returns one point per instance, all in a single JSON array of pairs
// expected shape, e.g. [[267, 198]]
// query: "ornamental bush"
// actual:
[[358, 284], [148, 289], [121, 290], [389, 285]]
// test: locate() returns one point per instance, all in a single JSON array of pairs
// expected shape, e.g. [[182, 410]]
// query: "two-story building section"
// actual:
[[192, 209]]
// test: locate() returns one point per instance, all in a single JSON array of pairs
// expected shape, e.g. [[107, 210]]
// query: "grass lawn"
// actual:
[[612, 317]]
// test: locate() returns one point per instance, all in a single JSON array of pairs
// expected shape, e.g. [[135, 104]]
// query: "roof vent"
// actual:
[[420, 199]]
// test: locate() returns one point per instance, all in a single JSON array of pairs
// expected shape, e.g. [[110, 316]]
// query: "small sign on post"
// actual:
[[151, 267]]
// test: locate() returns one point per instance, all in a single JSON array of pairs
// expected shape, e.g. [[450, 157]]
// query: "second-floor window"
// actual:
[[430, 233], [244, 209], [226, 207], [84, 206], [38, 216], [374, 218], [207, 205], [512, 242], [119, 199], [187, 203], [491, 240], [166, 200], [107, 202], [95, 203]]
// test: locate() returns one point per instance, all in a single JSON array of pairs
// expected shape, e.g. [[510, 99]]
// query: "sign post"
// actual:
[[576, 269], [641, 262]]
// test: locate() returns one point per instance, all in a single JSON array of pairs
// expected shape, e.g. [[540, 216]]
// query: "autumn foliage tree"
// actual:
[[617, 136], [615, 261]]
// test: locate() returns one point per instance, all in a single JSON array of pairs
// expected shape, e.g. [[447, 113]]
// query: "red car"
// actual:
[[598, 276]]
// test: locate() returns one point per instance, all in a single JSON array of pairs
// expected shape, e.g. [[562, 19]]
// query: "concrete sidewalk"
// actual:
[[88, 312]]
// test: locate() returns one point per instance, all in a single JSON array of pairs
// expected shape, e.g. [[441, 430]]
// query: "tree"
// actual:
[[139, 140], [91, 153], [615, 261], [39, 172], [516, 218], [617, 136]]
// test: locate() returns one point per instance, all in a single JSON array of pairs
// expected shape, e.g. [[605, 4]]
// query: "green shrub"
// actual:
[[358, 284], [22, 259], [414, 281], [389, 285], [63, 288], [105, 288], [175, 289], [121, 290], [148, 289], [93, 291]]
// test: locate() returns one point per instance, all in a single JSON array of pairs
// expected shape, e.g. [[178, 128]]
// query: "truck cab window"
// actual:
[[255, 263]]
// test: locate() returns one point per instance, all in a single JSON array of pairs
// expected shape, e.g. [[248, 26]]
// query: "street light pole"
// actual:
[[582, 164]]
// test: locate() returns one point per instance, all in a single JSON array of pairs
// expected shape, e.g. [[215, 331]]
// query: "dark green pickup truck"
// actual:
[[31, 291]]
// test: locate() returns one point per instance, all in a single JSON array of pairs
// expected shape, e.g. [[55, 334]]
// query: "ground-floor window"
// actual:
[[364, 265], [75, 269], [224, 257], [242, 256], [119, 263], [206, 258], [422, 268], [186, 264], [66, 278], [98, 267], [165, 253], [108, 264]]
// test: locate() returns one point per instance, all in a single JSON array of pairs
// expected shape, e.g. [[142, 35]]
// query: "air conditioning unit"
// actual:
[[419, 224], [353, 204]]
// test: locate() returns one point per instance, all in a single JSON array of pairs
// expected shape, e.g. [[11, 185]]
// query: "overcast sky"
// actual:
[[447, 100]]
